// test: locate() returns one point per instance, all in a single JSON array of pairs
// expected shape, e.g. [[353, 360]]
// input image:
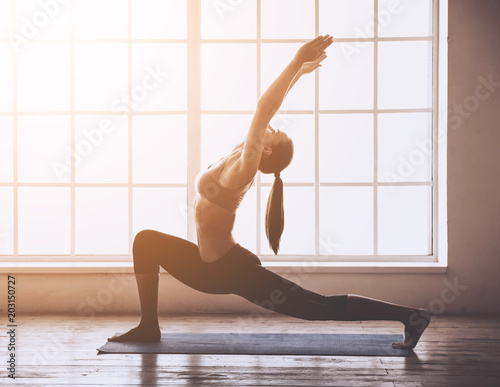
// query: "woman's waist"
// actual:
[[209, 215], [227, 255], [212, 248]]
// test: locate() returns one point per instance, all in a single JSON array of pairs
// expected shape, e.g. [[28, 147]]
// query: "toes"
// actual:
[[401, 346]]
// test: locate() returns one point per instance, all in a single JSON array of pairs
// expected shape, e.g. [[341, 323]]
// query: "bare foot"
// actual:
[[144, 334], [417, 322]]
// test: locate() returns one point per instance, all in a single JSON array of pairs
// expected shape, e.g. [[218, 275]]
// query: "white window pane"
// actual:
[[287, 19], [101, 220], [228, 19], [405, 18], [405, 75], [44, 77], [298, 234], [231, 83], [346, 78], [346, 18], [275, 57], [101, 19], [160, 209], [6, 27], [101, 149], [101, 77], [44, 149], [346, 148], [158, 19], [404, 220], [37, 19], [159, 149], [245, 226], [159, 79], [346, 220], [6, 149], [220, 134], [6, 78], [44, 220], [6, 220], [404, 147], [300, 128]]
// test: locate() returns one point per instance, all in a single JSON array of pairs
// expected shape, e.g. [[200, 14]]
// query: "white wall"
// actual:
[[473, 211]]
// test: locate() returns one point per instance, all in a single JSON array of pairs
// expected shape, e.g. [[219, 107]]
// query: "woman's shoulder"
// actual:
[[232, 176]]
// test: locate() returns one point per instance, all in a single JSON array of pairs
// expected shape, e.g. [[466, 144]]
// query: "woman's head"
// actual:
[[277, 154]]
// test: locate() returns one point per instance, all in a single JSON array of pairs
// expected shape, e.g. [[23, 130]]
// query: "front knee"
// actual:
[[142, 240]]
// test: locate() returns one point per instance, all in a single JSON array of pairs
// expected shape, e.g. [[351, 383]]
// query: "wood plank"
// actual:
[[60, 350]]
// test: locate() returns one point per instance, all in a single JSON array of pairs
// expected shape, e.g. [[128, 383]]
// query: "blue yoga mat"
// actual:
[[265, 344]]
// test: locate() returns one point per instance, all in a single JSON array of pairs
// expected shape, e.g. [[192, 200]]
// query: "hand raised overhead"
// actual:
[[309, 67], [313, 49]]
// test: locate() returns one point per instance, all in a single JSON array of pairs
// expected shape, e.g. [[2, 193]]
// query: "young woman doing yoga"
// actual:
[[219, 265]]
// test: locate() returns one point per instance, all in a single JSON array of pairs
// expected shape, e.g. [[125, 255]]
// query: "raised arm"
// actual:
[[306, 68], [308, 58]]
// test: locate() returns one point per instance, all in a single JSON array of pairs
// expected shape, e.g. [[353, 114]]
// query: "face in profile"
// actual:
[[277, 152]]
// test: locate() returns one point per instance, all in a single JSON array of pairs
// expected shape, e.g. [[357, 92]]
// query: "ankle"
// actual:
[[149, 323]]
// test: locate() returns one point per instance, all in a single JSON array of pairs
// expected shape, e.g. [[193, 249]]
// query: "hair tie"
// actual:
[[276, 174]]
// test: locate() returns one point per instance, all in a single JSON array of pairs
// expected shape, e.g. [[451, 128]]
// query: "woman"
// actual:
[[219, 265]]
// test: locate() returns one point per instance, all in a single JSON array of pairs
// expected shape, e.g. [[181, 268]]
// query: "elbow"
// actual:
[[267, 107]]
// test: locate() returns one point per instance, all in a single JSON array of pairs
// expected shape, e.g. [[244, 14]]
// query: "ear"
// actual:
[[267, 151]]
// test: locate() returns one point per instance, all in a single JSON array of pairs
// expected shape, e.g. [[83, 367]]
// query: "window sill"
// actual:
[[278, 267]]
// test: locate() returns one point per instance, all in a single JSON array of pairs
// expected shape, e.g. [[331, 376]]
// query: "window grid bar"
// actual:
[[259, 91], [337, 40], [95, 113], [100, 258], [215, 112], [97, 185], [316, 142], [251, 112], [73, 136], [173, 185], [405, 183], [385, 111], [193, 15], [130, 134], [97, 41], [348, 258], [375, 130], [15, 234], [435, 124], [184, 41]]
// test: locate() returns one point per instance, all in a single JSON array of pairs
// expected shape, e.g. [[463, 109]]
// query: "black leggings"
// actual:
[[238, 272]]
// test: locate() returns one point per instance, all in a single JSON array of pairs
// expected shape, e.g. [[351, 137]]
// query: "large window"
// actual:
[[110, 108]]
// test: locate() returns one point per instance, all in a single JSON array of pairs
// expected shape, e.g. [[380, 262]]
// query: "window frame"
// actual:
[[436, 262]]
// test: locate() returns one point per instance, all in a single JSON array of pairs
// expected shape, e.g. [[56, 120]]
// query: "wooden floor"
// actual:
[[60, 350]]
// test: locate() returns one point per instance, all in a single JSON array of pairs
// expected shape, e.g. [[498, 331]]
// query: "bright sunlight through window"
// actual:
[[110, 108]]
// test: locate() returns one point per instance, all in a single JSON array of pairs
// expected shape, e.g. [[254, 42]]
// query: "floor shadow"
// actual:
[[412, 361]]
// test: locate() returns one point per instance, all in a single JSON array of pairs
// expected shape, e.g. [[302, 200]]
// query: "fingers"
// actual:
[[317, 39], [320, 39], [321, 43], [327, 41], [316, 63], [321, 58]]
